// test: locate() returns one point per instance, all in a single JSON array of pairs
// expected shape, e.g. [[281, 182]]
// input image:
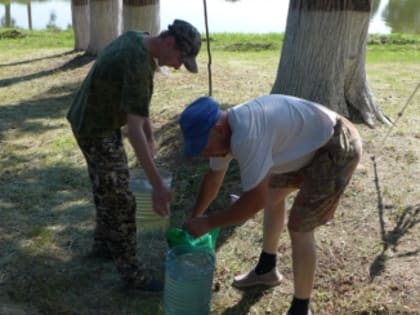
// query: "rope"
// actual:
[[208, 48], [375, 166]]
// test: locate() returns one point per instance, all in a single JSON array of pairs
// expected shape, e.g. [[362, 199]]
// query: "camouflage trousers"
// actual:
[[115, 229], [322, 182]]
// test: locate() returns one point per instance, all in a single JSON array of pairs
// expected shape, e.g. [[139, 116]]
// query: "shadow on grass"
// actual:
[[76, 62], [47, 228], [49, 223], [37, 59], [406, 220], [248, 299], [51, 105]]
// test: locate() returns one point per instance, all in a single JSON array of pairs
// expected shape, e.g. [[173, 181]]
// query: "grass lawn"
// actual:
[[368, 257]]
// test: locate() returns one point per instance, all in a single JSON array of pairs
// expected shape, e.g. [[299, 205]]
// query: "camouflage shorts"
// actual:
[[322, 182], [115, 204]]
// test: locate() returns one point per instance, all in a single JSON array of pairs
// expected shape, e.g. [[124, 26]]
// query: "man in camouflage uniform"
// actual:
[[117, 92], [281, 144]]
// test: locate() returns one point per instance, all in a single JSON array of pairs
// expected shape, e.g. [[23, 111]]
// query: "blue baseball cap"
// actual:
[[196, 121]]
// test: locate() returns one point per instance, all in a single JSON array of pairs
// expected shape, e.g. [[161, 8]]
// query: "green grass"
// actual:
[[394, 47], [367, 257], [245, 42], [22, 39]]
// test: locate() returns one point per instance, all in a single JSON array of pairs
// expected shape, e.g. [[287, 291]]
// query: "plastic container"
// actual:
[[148, 221], [188, 280], [151, 227]]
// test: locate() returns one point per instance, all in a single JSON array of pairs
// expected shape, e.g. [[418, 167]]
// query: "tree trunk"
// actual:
[[80, 21], [323, 57], [29, 9], [7, 15], [141, 15], [104, 23]]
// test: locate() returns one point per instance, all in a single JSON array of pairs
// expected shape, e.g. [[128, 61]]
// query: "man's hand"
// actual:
[[139, 134], [161, 198], [197, 226]]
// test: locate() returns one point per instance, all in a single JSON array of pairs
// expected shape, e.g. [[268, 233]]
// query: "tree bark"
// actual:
[[141, 15], [29, 10], [7, 15], [80, 21], [323, 57], [104, 23]]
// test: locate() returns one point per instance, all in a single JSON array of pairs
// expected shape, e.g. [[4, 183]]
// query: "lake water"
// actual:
[[389, 16]]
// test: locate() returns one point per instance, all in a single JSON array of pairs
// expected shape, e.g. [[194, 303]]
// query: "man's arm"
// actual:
[[249, 203], [210, 186], [138, 140], [148, 133]]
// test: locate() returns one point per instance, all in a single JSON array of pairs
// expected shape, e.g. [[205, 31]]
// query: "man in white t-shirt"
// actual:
[[281, 143]]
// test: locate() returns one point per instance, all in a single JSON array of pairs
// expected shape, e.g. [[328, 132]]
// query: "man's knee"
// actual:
[[299, 234]]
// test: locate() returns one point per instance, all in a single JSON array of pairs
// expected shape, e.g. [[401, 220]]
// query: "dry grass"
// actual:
[[368, 256]]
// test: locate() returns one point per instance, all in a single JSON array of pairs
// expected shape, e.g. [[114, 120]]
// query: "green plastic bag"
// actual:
[[177, 237]]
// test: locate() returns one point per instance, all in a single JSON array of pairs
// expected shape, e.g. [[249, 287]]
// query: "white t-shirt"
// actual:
[[275, 134]]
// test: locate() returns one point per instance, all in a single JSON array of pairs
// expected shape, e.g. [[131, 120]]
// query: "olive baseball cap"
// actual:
[[188, 40]]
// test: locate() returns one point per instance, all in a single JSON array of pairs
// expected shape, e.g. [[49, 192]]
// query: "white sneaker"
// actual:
[[250, 279]]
